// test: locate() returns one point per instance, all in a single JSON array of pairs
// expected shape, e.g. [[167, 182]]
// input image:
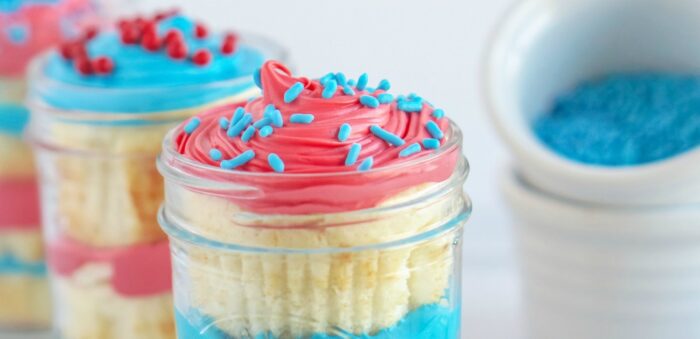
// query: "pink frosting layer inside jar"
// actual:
[[19, 204], [138, 271]]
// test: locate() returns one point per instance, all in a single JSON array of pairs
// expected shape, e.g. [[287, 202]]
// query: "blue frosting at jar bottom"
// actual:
[[13, 119], [11, 265], [432, 321]]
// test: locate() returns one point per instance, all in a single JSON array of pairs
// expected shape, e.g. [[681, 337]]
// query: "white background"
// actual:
[[433, 48]]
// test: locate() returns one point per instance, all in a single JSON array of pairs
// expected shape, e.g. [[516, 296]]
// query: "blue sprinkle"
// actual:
[[384, 85], [415, 97], [301, 118], [366, 164], [410, 150], [344, 132], [248, 134], [223, 123], [192, 125], [430, 143], [353, 154], [351, 82], [19, 34], [410, 106], [385, 135], [266, 131], [434, 130], [370, 89], [269, 109], [362, 82], [262, 122], [238, 161], [256, 78], [236, 129], [330, 87], [341, 79], [276, 117], [438, 113], [215, 154], [347, 90], [369, 101], [237, 115], [275, 162], [385, 98], [325, 78], [293, 92]]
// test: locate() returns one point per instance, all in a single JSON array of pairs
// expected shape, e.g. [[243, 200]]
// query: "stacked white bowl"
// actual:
[[605, 252]]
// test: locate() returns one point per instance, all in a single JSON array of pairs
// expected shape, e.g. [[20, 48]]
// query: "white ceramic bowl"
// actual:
[[545, 47], [592, 271]]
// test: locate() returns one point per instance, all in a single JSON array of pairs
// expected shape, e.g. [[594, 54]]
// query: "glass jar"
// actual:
[[26, 29], [109, 261], [389, 271], [23, 288]]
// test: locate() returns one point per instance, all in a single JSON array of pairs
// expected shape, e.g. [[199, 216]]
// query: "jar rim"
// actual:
[[180, 233]]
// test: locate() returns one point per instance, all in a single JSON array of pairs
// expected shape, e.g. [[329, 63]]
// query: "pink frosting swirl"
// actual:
[[316, 178]]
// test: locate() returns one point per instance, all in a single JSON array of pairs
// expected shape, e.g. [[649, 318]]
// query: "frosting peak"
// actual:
[[313, 114], [320, 128]]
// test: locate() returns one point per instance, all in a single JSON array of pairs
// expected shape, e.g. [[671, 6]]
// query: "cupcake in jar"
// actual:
[[101, 106], [26, 28], [325, 208]]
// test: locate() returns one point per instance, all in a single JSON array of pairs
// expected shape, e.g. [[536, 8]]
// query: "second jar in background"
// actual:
[[100, 108]]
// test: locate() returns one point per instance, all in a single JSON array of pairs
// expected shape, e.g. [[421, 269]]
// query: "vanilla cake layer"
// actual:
[[107, 186], [290, 295]]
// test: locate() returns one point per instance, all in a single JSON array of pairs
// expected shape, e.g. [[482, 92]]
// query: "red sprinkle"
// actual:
[[122, 24], [66, 50], [103, 65], [150, 27], [78, 50], [130, 35], [201, 31], [83, 66], [165, 14], [150, 41], [139, 22], [177, 50], [202, 57], [90, 33], [228, 46], [173, 35]]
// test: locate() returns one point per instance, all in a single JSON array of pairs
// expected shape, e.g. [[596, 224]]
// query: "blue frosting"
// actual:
[[150, 81], [625, 119], [13, 119], [426, 322], [9, 6], [11, 265]]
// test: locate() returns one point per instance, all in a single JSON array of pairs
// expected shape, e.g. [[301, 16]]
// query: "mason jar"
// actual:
[[248, 264], [100, 190], [27, 29]]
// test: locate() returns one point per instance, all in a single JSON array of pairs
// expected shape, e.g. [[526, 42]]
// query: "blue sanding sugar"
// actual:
[[625, 119]]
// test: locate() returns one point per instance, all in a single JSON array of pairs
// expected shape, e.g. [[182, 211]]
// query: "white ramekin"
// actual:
[[593, 271], [544, 47]]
